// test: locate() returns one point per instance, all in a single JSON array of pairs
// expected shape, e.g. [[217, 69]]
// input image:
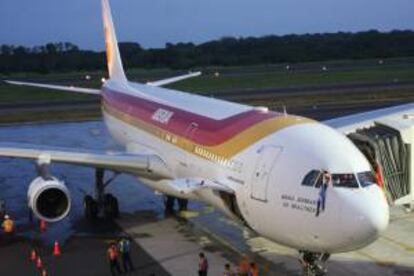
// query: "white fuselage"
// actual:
[[266, 177]]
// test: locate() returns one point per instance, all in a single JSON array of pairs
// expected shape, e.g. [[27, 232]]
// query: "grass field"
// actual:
[[20, 94], [265, 80], [230, 79]]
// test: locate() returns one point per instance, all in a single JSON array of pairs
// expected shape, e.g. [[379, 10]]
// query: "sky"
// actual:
[[152, 23]]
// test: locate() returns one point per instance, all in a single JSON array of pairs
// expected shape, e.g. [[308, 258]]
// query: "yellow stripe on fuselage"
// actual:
[[222, 153]]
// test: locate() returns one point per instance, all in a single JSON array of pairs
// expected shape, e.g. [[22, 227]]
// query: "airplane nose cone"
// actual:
[[367, 215], [374, 217]]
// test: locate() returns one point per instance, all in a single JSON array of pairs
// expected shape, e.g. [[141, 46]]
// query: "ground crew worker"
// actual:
[[113, 259], [202, 265], [243, 266], [227, 270], [378, 175], [8, 229], [42, 226], [254, 270], [125, 249], [8, 225]]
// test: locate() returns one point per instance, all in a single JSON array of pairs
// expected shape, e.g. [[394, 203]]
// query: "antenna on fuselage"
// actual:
[[285, 110]]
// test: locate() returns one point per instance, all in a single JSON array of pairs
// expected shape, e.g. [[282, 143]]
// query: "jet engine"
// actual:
[[49, 199]]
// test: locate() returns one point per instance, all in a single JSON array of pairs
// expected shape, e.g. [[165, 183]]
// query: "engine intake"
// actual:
[[49, 199]]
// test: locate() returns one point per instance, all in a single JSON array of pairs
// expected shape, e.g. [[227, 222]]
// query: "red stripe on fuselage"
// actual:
[[210, 132]]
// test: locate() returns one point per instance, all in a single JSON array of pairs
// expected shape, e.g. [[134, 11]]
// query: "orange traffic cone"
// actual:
[[33, 255], [42, 226], [56, 249], [39, 263]]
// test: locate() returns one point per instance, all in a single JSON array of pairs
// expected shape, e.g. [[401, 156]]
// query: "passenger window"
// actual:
[[311, 178]]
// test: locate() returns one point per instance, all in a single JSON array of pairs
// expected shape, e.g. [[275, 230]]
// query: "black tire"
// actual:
[[169, 204], [90, 207], [111, 207], [182, 204]]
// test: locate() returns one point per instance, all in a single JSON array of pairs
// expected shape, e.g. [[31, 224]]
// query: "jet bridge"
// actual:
[[389, 143]]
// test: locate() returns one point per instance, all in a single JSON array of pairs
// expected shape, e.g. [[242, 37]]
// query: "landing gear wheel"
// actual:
[[314, 264], [90, 207], [169, 204], [182, 204], [111, 208]]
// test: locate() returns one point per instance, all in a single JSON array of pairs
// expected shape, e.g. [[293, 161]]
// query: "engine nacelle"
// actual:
[[49, 199]]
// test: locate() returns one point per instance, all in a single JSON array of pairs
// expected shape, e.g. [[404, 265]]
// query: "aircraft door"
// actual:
[[267, 159], [190, 130], [184, 157]]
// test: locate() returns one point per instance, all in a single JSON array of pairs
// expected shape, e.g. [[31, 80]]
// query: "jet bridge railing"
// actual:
[[383, 145]]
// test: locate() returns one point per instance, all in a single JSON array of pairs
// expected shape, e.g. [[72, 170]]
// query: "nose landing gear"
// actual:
[[314, 264], [106, 203]]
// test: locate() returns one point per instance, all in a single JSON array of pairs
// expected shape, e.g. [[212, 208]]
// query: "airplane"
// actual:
[[260, 167]]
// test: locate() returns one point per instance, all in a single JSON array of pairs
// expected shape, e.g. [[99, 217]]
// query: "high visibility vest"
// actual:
[[378, 176], [112, 254], [203, 264], [124, 246], [244, 267], [254, 272], [8, 226]]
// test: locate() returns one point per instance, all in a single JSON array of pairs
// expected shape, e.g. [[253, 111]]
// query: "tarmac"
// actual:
[[175, 244], [169, 245]]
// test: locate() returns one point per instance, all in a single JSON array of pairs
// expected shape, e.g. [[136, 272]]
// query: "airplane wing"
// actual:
[[56, 87], [351, 123], [149, 166], [174, 79], [145, 165], [97, 91]]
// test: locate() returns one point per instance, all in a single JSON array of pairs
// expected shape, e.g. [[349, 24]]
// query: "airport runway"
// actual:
[[84, 244], [315, 90]]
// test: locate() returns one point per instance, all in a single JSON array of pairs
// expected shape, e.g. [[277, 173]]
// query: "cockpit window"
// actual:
[[346, 180], [366, 178], [311, 178]]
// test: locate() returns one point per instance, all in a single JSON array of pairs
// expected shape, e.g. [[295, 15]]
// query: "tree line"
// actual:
[[60, 57]]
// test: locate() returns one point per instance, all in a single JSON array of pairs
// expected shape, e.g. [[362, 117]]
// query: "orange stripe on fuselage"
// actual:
[[222, 152]]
